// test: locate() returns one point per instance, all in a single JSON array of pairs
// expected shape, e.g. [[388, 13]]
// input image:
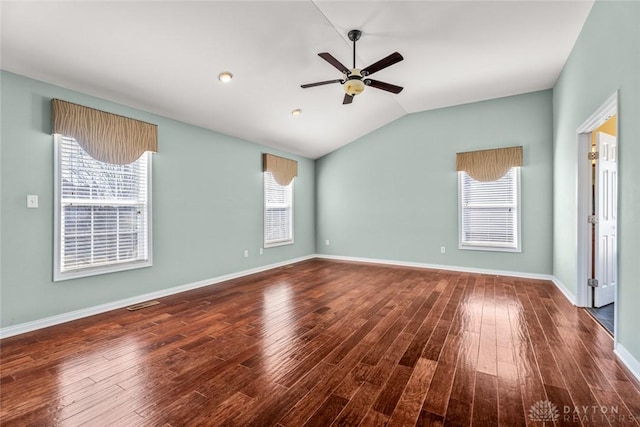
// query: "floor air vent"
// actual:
[[142, 305]]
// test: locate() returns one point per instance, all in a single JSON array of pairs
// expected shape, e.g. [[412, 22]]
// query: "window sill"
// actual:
[[276, 244], [488, 248], [59, 276]]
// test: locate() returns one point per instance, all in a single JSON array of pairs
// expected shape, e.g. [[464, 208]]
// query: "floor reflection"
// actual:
[[278, 320]]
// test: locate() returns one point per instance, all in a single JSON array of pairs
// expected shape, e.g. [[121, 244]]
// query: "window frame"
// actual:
[[515, 247], [58, 273], [281, 242]]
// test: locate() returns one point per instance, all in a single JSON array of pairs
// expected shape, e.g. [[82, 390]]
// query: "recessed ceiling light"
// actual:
[[225, 77], [296, 112]]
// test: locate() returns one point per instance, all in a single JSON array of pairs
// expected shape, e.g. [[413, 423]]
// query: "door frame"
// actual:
[[583, 168]]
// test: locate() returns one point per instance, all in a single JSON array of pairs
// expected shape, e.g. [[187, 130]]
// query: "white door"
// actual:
[[605, 247]]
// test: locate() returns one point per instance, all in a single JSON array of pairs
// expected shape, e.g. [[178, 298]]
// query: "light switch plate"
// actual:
[[32, 201]]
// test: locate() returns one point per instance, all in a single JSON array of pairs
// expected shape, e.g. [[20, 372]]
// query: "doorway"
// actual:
[[597, 214]]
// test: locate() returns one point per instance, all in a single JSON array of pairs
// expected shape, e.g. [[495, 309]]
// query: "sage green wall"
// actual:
[[605, 58], [392, 194], [207, 208]]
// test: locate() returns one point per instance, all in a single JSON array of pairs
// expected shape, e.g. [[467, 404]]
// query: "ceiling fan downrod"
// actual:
[[354, 36]]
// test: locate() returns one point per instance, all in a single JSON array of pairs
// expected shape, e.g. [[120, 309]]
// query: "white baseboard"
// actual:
[[627, 358], [567, 293], [439, 267], [90, 311]]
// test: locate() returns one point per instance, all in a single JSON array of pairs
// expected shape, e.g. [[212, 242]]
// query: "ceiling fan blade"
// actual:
[[326, 82], [333, 61], [384, 86], [348, 99], [383, 63]]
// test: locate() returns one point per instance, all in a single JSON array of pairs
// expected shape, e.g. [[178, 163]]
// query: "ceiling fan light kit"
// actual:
[[353, 85], [353, 80]]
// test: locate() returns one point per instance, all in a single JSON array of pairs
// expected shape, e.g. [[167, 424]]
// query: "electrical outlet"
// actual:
[[261, 251], [443, 249], [246, 253], [326, 242]]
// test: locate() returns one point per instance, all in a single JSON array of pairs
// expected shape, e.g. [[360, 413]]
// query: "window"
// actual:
[[489, 212], [102, 213], [278, 212]]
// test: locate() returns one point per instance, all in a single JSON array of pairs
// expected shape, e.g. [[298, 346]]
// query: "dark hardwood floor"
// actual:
[[326, 343]]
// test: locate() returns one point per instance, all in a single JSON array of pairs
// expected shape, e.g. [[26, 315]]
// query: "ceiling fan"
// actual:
[[354, 80]]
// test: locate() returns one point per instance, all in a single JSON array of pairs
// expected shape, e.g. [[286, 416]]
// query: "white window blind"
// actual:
[[102, 213], [490, 212], [278, 212]]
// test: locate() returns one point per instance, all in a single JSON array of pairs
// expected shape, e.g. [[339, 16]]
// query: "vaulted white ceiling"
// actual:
[[164, 57]]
